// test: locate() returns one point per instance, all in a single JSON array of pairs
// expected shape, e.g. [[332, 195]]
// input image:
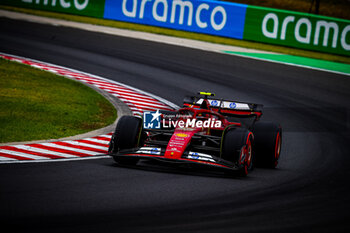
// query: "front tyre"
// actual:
[[127, 135], [237, 148]]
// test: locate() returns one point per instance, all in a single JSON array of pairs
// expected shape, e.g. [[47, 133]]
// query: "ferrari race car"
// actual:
[[208, 131]]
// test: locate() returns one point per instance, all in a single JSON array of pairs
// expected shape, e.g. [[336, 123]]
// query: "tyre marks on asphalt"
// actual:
[[137, 100]]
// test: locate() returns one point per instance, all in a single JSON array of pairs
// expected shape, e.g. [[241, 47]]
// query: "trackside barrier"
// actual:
[[92, 8], [299, 30], [232, 20], [203, 16]]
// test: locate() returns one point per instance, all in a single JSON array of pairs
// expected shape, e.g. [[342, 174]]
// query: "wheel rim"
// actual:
[[246, 158]]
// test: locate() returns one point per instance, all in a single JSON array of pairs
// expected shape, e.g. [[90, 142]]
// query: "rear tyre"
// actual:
[[267, 144], [127, 135], [237, 148]]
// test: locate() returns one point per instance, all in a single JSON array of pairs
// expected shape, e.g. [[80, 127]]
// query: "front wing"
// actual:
[[189, 157]]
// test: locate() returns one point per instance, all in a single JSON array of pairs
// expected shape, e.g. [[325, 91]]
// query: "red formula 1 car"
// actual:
[[208, 131]]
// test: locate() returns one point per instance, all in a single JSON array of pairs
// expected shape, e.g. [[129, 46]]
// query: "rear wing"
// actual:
[[225, 107]]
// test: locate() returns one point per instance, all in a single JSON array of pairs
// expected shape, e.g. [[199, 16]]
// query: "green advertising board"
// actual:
[[299, 30], [266, 25], [92, 8]]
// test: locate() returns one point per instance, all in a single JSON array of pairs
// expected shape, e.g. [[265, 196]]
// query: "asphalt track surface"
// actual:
[[307, 193]]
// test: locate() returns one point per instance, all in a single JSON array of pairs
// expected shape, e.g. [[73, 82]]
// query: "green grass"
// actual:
[[183, 34], [37, 105]]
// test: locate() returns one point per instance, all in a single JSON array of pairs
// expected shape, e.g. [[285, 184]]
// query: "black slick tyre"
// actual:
[[126, 136], [237, 148], [267, 144]]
